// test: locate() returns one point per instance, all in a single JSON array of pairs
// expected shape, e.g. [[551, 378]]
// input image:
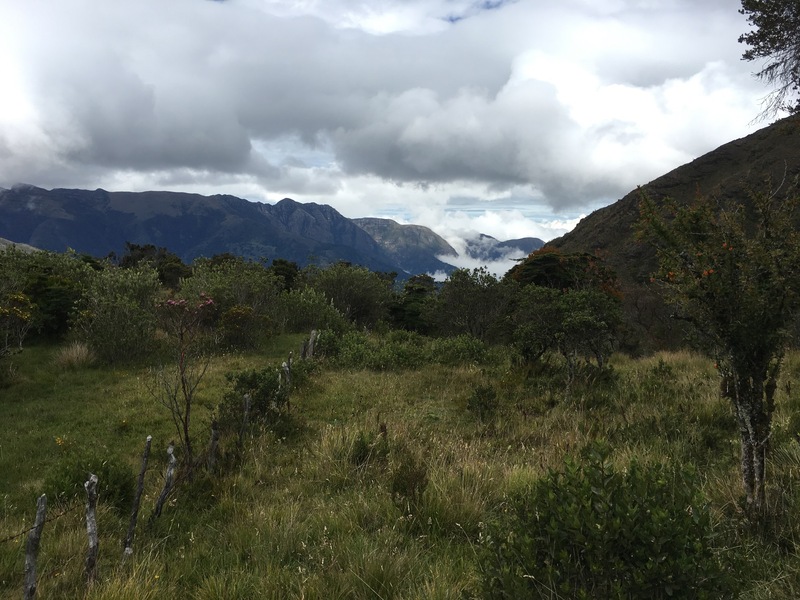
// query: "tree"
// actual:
[[569, 303], [776, 40], [578, 324], [358, 293], [170, 267], [408, 308], [184, 322], [473, 302], [733, 273], [549, 267], [288, 270]]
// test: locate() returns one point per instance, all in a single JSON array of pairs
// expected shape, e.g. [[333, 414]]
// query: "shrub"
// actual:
[[594, 532], [369, 448], [307, 309], [269, 399], [457, 350], [483, 402], [240, 327], [64, 481], [408, 478]]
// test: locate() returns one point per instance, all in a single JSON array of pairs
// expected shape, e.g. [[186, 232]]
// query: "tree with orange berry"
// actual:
[[733, 273]]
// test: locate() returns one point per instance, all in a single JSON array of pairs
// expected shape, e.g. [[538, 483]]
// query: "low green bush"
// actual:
[[269, 398], [483, 402], [408, 478], [369, 448], [592, 531], [64, 482]]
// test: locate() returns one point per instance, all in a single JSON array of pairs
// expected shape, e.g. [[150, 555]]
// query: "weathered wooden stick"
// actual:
[[212, 446], [308, 345], [168, 479], [32, 548], [91, 528], [287, 371], [127, 545]]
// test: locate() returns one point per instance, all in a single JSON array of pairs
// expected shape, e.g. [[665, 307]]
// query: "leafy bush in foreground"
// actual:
[[594, 532]]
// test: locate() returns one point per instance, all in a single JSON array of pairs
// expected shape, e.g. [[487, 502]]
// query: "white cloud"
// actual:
[[506, 117]]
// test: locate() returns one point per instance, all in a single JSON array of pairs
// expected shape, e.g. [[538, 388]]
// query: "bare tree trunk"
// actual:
[[32, 548], [752, 402], [128, 543], [91, 528], [187, 390], [748, 474], [168, 480]]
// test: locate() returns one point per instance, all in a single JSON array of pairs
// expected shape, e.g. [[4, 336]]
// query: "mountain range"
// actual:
[[99, 222]]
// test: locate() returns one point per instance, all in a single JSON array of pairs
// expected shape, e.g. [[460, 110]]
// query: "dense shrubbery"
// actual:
[[116, 314], [246, 297], [592, 531]]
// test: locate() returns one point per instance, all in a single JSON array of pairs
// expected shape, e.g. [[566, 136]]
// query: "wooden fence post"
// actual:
[[91, 527], [127, 545], [32, 548], [287, 372], [307, 350], [167, 481]]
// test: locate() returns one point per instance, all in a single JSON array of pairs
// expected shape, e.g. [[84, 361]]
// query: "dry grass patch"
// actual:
[[74, 356]]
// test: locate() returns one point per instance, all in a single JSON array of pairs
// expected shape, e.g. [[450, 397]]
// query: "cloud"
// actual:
[[392, 107]]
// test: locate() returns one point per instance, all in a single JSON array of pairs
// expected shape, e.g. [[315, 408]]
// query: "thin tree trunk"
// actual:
[[32, 548], [187, 392], [91, 528], [128, 543], [212, 446], [754, 430]]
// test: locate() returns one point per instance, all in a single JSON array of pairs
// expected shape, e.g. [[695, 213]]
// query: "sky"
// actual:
[[511, 118]]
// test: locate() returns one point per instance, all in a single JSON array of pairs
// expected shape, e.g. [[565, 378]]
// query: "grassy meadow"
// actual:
[[381, 484]]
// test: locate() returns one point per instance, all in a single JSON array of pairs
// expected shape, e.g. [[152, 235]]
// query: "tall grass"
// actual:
[[313, 514]]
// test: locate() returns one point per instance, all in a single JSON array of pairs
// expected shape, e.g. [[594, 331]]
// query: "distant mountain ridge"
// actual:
[[729, 174], [485, 247], [416, 249], [98, 222]]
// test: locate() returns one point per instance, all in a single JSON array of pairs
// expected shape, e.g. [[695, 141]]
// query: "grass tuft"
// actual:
[[76, 355]]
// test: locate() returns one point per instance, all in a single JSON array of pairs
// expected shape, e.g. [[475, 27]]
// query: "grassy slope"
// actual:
[[298, 519]]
